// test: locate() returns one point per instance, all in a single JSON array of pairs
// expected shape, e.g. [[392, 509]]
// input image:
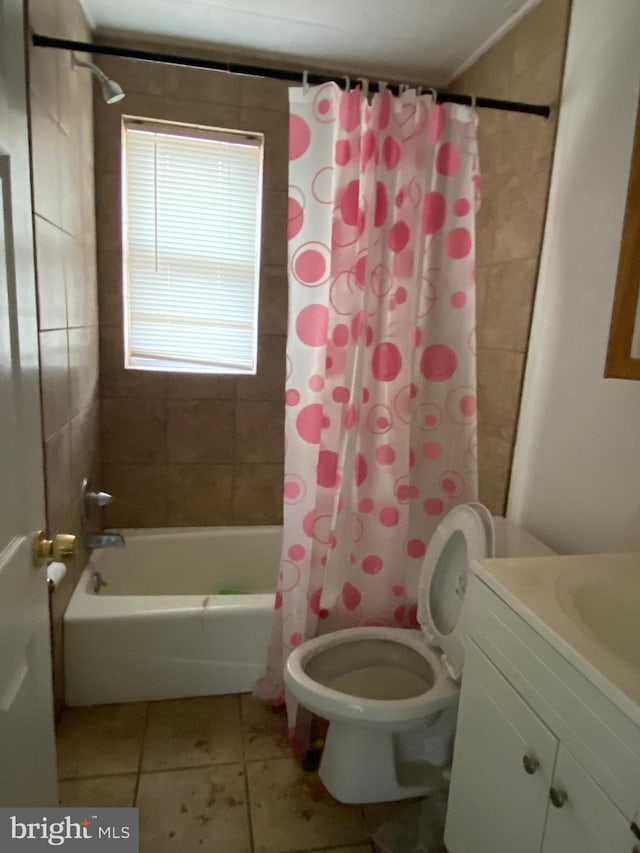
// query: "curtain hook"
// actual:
[[418, 91], [365, 86], [473, 101], [347, 82], [382, 85], [305, 81], [434, 95]]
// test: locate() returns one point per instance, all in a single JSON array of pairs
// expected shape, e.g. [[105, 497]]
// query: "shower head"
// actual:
[[111, 91]]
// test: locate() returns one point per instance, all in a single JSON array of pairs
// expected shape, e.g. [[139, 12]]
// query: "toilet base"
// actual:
[[362, 764]]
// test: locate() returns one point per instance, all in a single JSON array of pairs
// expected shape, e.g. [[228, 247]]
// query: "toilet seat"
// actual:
[[462, 536], [338, 705]]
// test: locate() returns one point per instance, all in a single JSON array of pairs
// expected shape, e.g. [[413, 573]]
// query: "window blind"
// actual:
[[191, 223]]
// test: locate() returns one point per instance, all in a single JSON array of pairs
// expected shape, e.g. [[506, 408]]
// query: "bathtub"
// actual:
[[161, 628]]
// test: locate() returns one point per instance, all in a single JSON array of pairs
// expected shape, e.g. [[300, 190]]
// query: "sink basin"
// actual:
[[605, 602], [586, 606]]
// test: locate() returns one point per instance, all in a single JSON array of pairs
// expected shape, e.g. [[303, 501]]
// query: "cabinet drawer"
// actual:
[[603, 740]]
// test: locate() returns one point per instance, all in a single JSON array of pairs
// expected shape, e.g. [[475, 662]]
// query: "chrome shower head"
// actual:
[[111, 91]]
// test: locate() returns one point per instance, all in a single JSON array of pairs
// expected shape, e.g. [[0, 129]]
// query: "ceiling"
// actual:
[[427, 41]]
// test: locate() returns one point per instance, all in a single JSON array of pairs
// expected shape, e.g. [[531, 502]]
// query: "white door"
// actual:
[[502, 767], [586, 821], [27, 744]]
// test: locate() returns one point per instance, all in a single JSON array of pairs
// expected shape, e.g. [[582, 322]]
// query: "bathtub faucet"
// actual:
[[106, 539]]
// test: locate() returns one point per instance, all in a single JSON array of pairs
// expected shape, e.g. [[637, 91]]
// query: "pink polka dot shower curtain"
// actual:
[[381, 380]]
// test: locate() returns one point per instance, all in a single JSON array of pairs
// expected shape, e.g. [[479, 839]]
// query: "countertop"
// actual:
[[536, 589]]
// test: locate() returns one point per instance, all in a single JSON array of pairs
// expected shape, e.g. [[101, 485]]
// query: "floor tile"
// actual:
[[199, 809], [264, 730], [291, 810], [192, 733], [104, 791], [100, 740]]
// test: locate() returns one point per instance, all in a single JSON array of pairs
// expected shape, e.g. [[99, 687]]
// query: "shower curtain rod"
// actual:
[[280, 73]]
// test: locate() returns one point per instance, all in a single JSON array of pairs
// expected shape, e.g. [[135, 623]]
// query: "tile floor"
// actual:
[[212, 773]]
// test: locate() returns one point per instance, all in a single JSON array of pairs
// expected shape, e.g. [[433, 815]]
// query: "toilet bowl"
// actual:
[[391, 694]]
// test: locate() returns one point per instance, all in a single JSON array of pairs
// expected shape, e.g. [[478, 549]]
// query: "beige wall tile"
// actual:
[[81, 289], [43, 77], [57, 456], [85, 443], [257, 494], [200, 434], [200, 386], [54, 376], [52, 303], [133, 430], [62, 152], [115, 380], [522, 202], [274, 228], [268, 383], [139, 493], [259, 432], [274, 299], [505, 304], [199, 495], [264, 93], [200, 431], [543, 31], [494, 464], [45, 135], [110, 287], [515, 160], [83, 367], [499, 384], [275, 127]]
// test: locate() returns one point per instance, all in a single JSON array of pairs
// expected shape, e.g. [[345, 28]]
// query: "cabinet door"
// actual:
[[587, 822], [494, 803]]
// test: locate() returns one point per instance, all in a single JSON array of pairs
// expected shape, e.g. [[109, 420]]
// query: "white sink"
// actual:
[[605, 602], [588, 607]]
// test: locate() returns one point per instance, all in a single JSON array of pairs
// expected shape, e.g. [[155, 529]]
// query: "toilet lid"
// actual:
[[461, 537]]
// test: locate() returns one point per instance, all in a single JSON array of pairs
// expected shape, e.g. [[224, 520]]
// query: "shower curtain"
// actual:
[[380, 431]]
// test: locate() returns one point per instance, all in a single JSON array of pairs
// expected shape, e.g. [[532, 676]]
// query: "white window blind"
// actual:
[[191, 238]]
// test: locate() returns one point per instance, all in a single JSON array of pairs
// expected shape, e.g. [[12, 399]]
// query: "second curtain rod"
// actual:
[[278, 73]]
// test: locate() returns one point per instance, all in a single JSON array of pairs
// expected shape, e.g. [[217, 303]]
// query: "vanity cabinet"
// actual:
[[520, 782]]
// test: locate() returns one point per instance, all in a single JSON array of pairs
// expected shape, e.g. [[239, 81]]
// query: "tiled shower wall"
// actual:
[[192, 449], [516, 151], [61, 136], [200, 450]]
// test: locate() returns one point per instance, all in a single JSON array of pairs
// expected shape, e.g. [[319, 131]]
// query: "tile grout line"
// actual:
[[245, 774], [144, 737]]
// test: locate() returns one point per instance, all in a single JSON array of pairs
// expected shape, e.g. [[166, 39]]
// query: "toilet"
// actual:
[[391, 694]]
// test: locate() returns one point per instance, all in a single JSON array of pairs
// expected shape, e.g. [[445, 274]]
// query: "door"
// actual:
[[586, 821], [502, 766], [27, 744]]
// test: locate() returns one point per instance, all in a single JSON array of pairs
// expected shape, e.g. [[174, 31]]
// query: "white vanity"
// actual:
[[547, 751]]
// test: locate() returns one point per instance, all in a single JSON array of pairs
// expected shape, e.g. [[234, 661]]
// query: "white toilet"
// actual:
[[391, 694]]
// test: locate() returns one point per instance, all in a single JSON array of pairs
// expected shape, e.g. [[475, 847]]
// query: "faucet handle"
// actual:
[[89, 498]]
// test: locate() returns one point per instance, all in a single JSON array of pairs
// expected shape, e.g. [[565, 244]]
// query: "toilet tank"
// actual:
[[513, 541]]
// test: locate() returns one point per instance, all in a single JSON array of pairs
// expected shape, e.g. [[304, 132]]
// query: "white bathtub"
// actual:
[[161, 629]]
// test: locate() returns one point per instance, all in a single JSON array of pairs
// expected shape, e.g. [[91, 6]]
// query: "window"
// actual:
[[191, 247]]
